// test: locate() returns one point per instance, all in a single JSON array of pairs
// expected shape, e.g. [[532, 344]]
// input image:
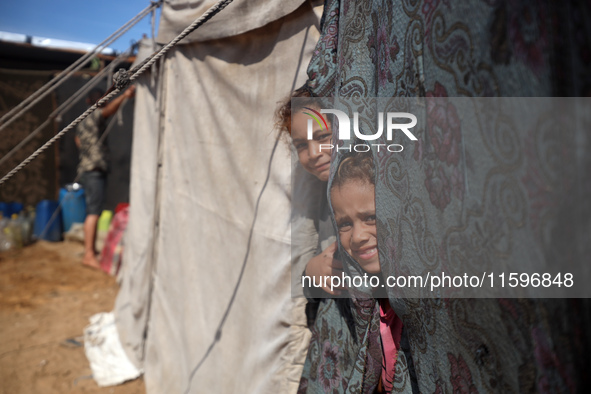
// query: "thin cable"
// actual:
[[153, 24], [210, 13], [82, 59], [66, 105], [46, 91], [59, 135], [77, 65], [200, 21]]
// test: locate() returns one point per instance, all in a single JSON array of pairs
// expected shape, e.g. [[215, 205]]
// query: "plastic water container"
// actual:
[[5, 209], [73, 201], [48, 227], [15, 207], [102, 229]]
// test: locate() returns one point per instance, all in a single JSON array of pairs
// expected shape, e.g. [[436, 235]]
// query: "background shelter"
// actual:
[[37, 181], [205, 301], [26, 67]]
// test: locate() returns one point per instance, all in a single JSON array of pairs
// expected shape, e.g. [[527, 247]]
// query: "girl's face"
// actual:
[[314, 158], [355, 213]]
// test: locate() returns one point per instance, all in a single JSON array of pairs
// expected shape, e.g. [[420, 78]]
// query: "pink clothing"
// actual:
[[112, 254], [390, 332]]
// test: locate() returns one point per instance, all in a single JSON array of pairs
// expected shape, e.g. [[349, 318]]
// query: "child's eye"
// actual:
[[324, 137], [301, 146], [344, 226]]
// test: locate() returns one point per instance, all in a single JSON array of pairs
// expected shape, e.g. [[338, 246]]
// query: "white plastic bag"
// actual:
[[108, 361]]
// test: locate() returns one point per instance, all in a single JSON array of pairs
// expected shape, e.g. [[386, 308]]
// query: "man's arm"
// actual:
[[112, 106]]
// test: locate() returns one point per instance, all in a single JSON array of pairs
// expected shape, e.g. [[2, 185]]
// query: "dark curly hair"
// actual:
[[355, 166], [284, 112]]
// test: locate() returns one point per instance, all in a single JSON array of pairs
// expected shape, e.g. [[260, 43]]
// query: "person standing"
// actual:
[[93, 165]]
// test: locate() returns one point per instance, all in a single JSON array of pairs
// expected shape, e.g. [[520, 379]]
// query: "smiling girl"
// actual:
[[353, 201], [293, 118], [352, 195]]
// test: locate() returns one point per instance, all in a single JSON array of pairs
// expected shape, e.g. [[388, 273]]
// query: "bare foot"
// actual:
[[91, 261]]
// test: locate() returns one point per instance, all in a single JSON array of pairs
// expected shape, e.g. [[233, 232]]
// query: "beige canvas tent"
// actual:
[[205, 302]]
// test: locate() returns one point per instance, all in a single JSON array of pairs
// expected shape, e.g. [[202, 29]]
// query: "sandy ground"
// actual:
[[47, 296]]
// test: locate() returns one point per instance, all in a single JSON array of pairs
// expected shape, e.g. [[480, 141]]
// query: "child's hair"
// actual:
[[284, 112], [355, 166]]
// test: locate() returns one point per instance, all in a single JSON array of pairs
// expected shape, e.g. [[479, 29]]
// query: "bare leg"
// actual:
[[89, 240]]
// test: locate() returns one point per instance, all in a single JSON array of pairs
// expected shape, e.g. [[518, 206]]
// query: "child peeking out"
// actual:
[[293, 121], [352, 196]]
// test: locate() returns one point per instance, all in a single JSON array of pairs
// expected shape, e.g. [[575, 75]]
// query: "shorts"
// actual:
[[93, 183]]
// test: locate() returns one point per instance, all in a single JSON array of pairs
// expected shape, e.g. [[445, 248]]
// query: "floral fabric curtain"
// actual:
[[455, 196]]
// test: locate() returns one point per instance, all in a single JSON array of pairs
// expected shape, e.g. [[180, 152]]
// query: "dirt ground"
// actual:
[[46, 297]]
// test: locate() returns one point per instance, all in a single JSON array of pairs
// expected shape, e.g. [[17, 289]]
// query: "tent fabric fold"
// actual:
[[238, 17]]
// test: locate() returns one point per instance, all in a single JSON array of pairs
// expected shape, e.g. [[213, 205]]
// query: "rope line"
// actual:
[[210, 13], [66, 105], [80, 61], [50, 86], [57, 136], [123, 80]]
